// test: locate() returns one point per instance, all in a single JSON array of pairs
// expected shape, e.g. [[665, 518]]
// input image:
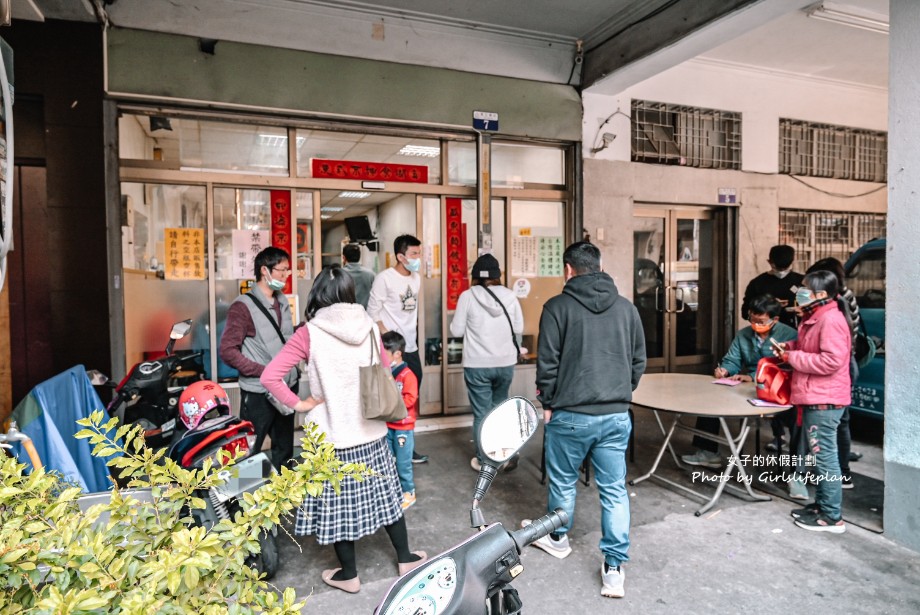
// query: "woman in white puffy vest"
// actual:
[[335, 342]]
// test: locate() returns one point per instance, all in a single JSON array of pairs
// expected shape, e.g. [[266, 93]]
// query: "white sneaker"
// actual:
[[613, 581], [706, 459], [557, 548]]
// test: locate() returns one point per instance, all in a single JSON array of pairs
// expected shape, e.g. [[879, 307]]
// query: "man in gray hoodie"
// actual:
[[590, 356]]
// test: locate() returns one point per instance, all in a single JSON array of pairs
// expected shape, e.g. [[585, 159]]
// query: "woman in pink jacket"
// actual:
[[336, 342], [820, 360]]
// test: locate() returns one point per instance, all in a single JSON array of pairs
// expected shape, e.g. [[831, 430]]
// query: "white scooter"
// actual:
[[475, 576]]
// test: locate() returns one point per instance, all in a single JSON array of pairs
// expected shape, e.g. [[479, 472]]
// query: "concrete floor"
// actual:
[[738, 557]]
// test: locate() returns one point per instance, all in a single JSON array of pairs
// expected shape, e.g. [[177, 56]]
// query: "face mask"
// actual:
[[761, 328], [413, 264], [803, 296], [781, 274], [275, 284]]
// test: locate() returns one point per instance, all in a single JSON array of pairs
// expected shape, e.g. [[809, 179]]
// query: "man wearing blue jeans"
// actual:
[[590, 356]]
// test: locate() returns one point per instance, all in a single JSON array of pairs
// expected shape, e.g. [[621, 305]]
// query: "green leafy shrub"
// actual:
[[146, 557]]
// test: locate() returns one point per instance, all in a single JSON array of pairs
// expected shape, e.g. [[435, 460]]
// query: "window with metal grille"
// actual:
[[821, 234], [685, 136], [824, 150]]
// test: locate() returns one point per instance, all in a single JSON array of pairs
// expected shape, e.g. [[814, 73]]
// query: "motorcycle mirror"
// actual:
[[180, 329], [97, 378], [507, 428]]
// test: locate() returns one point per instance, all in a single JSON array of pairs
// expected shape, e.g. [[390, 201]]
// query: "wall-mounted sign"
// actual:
[[380, 171], [281, 226], [726, 195], [184, 254], [246, 244], [457, 279], [485, 120]]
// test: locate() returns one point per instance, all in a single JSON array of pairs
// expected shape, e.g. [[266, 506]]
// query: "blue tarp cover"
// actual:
[[49, 415]]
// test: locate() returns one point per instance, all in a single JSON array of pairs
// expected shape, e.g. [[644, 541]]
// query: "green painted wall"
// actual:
[[171, 66]]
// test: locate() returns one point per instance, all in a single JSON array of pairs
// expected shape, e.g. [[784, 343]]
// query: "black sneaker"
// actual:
[[821, 523], [809, 510], [419, 458], [846, 482]]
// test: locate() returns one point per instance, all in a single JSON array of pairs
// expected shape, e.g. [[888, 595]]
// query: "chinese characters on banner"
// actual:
[[184, 254], [281, 226], [246, 244], [379, 171], [457, 278], [550, 256]]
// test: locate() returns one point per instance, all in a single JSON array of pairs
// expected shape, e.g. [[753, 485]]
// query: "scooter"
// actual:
[[149, 394], [213, 433], [475, 576]]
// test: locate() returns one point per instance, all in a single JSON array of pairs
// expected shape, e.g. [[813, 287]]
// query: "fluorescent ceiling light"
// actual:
[[332, 209], [278, 140], [324, 217], [350, 194], [847, 15], [423, 151]]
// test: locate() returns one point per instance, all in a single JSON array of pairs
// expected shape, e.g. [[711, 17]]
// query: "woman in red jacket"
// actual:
[[820, 360]]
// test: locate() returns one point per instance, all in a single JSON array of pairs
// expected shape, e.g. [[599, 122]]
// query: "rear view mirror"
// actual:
[[180, 329], [507, 428]]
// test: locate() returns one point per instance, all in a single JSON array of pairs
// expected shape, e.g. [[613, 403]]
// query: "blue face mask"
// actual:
[[413, 264], [275, 284], [803, 296]]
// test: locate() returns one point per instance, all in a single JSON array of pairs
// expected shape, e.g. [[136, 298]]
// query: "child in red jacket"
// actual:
[[401, 435]]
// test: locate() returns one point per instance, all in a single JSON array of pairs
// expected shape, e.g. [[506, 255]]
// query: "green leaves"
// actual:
[[135, 553]]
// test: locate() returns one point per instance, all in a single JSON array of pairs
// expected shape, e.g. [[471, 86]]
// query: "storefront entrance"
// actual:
[[679, 285]]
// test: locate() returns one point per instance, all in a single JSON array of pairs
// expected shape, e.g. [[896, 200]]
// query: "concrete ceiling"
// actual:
[[622, 41]]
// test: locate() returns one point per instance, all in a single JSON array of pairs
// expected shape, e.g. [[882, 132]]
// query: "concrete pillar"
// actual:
[[902, 377]]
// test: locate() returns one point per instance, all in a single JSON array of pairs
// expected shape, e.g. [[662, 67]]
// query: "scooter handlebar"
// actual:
[[539, 528]]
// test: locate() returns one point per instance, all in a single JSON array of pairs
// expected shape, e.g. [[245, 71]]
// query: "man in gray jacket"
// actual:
[[363, 277], [590, 356], [258, 325]]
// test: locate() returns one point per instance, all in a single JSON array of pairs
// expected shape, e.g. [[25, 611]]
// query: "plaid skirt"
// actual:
[[360, 508]]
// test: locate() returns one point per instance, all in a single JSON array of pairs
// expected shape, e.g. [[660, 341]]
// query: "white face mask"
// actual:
[[781, 274]]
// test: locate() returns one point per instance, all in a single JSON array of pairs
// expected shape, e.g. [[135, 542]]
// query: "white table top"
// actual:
[[696, 394]]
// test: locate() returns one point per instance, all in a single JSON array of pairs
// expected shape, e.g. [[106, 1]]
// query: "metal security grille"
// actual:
[[821, 234], [685, 136], [824, 150]]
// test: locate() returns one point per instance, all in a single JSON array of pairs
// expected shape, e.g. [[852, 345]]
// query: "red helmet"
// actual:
[[199, 398]]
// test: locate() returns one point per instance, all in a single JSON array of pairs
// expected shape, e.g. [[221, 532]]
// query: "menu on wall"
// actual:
[[184, 254], [550, 256], [246, 244], [524, 251]]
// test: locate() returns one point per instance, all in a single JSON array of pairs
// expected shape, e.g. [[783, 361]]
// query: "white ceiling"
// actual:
[[533, 39]]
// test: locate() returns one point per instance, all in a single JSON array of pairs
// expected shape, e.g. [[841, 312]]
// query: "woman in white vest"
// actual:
[[335, 342]]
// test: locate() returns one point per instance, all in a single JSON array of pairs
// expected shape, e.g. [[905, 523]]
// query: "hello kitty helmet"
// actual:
[[199, 398]]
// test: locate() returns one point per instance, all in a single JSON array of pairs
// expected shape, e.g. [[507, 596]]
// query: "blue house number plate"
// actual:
[[485, 120]]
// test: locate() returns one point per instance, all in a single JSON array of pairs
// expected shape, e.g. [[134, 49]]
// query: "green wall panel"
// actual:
[[160, 65]]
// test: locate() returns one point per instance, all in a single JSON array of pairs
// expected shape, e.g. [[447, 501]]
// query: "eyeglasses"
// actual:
[[282, 271]]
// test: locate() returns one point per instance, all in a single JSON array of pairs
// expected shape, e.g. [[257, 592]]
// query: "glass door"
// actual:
[[676, 280]]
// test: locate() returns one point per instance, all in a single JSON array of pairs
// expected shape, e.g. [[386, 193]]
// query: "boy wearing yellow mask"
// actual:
[[751, 344]]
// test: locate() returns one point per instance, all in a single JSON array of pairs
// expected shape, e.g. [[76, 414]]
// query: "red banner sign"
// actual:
[[376, 171], [457, 275], [281, 226]]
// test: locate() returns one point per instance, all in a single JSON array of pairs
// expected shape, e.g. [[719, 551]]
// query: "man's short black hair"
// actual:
[[352, 253], [765, 304], [269, 257], [782, 256], [834, 266], [582, 257], [404, 242], [393, 341]]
